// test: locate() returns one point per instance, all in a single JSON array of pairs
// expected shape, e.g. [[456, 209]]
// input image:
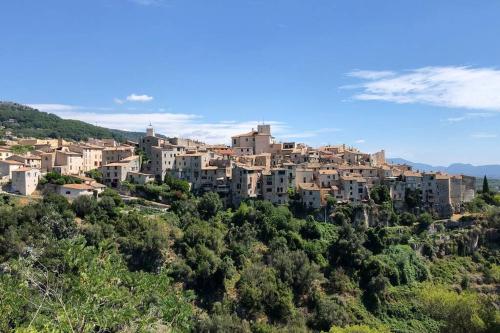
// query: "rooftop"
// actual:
[[77, 186]]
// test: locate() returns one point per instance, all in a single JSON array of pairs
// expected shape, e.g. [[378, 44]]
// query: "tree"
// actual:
[[359, 329], [261, 292], [413, 198], [209, 204], [467, 312], [380, 194], [84, 205], [407, 219], [486, 187], [424, 221]]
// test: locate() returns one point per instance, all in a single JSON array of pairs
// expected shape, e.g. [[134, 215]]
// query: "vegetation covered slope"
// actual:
[[102, 266], [24, 121]]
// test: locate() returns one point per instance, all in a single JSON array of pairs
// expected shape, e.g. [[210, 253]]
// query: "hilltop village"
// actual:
[[254, 166]]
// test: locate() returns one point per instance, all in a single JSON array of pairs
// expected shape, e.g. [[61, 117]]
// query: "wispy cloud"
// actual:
[[308, 133], [54, 107], [360, 141], [370, 75], [174, 124], [469, 116], [139, 98], [483, 136], [147, 2], [171, 124], [451, 86]]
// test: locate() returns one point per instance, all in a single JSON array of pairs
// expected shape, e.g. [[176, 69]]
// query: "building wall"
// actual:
[[25, 182], [275, 186], [6, 169], [147, 142], [48, 161], [92, 157], [74, 193], [116, 154], [245, 183], [163, 160], [311, 198], [4, 154]]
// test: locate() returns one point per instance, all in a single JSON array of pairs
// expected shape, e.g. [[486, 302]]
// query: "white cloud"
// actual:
[[118, 101], [174, 124], [451, 86], [139, 98], [360, 141], [53, 107], [483, 136], [170, 124]]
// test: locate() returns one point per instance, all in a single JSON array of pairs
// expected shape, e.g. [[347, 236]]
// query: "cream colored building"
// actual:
[[328, 178], [245, 182], [116, 154], [25, 180], [7, 166], [310, 195], [254, 142], [353, 188], [275, 185], [29, 160], [73, 191], [92, 155], [5, 153], [117, 172], [71, 162], [163, 159]]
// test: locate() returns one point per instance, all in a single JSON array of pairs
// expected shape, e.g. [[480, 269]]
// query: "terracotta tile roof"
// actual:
[[328, 172], [412, 174], [77, 186], [245, 134], [11, 162], [24, 169], [309, 187]]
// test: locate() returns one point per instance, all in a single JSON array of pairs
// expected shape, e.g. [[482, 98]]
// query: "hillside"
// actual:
[[28, 122], [491, 171]]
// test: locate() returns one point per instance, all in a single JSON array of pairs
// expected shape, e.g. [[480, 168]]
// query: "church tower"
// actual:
[[150, 131]]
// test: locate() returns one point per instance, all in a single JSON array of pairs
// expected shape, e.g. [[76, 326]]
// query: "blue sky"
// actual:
[[418, 78]]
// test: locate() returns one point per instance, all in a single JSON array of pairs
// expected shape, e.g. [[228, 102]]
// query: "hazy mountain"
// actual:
[[491, 171]]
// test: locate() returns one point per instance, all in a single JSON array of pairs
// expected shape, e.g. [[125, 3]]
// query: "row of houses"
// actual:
[[254, 166], [23, 171]]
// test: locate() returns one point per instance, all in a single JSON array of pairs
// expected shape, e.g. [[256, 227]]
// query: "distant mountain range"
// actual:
[[491, 171]]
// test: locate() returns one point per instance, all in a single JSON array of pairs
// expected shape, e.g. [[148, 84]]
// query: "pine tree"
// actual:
[[486, 188]]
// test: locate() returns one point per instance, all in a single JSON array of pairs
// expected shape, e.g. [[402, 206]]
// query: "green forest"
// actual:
[[99, 265], [24, 121]]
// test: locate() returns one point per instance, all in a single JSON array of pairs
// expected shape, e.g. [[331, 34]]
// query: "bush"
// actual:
[[209, 205], [84, 205]]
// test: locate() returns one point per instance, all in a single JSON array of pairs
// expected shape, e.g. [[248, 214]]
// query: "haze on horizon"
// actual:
[[420, 80]]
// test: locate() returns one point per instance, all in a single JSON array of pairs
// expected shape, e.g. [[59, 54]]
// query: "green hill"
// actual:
[[25, 121]]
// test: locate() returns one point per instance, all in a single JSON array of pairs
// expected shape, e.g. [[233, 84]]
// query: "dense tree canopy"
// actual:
[[98, 265]]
